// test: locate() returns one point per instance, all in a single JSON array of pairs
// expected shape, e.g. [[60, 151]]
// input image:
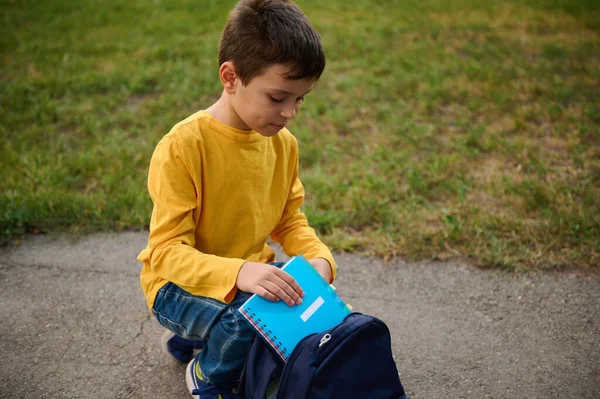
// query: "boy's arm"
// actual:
[[295, 235], [171, 245]]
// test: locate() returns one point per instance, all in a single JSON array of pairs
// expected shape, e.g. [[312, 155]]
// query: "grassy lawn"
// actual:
[[439, 128]]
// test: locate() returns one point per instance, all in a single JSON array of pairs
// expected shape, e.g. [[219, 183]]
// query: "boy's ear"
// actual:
[[228, 76]]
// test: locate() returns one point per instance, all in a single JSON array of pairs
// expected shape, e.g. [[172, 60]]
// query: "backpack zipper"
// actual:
[[324, 340], [341, 332]]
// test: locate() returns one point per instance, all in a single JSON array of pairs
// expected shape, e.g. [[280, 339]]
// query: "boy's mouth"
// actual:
[[278, 127]]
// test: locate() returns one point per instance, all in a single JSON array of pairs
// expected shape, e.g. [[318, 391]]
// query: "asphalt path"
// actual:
[[73, 324]]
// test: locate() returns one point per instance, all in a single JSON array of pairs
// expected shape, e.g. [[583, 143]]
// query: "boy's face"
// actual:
[[270, 100]]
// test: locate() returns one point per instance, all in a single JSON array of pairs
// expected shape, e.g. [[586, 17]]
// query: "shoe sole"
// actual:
[[189, 382]]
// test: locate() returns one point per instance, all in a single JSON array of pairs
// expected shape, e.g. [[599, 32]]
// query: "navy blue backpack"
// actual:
[[352, 360]]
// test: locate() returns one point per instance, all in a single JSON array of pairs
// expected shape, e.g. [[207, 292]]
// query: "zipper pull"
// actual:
[[324, 340]]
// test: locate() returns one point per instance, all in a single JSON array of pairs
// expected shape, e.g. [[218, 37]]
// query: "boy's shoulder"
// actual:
[[192, 126], [190, 132]]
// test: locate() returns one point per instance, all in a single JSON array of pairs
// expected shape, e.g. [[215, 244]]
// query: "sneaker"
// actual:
[[202, 390], [181, 349]]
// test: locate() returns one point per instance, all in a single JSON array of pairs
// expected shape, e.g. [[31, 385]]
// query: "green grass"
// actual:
[[438, 129]]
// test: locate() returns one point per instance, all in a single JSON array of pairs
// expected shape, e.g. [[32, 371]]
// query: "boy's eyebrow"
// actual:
[[279, 91]]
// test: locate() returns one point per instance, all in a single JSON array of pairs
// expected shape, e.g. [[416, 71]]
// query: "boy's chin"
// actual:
[[268, 131]]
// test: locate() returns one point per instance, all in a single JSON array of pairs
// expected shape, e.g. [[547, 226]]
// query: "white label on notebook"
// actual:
[[312, 309]]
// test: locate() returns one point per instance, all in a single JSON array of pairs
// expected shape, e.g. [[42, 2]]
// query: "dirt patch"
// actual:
[[133, 102]]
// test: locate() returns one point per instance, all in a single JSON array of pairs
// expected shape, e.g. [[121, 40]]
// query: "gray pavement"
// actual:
[[73, 324]]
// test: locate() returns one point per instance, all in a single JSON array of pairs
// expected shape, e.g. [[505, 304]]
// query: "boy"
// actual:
[[222, 181]]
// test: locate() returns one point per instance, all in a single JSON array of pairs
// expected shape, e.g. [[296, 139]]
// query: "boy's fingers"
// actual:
[[289, 290], [279, 292], [289, 280], [263, 292]]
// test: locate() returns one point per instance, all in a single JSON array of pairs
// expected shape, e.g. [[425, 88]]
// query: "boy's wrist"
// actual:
[[324, 267]]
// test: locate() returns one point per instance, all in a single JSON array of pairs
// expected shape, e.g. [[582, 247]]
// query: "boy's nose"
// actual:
[[288, 112]]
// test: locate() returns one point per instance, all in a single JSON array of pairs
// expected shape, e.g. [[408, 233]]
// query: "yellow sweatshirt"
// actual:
[[218, 193]]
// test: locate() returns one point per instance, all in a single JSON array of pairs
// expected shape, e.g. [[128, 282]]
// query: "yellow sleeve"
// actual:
[[175, 192], [293, 232]]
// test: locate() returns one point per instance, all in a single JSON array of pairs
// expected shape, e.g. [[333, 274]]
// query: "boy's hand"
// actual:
[[323, 267], [270, 282]]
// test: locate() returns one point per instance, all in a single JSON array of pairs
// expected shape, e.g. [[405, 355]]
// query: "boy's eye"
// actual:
[[277, 100]]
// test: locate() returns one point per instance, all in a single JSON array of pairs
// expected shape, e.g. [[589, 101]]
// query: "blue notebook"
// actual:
[[283, 326]]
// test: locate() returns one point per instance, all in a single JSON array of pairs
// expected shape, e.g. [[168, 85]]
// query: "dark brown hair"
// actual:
[[262, 33]]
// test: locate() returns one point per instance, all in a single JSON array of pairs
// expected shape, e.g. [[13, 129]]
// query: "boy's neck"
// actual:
[[224, 112]]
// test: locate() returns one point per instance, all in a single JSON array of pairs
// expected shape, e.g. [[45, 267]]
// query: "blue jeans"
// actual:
[[226, 336]]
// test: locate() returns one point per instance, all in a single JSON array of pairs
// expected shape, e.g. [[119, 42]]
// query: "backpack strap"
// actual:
[[262, 367]]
